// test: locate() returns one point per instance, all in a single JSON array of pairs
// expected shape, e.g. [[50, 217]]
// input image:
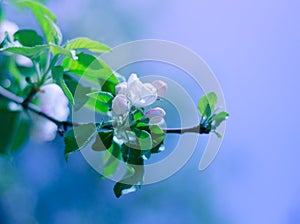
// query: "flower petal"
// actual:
[[121, 88], [120, 104], [140, 94], [161, 87], [155, 115]]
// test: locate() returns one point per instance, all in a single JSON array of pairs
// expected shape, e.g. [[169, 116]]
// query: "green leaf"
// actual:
[[78, 91], [38, 9], [130, 184], [57, 75], [144, 139], [219, 118], [102, 100], [46, 20], [9, 121], [78, 138], [58, 50], [206, 105], [91, 68], [103, 140], [85, 43], [28, 38], [121, 189], [112, 159], [108, 85], [158, 137], [136, 115], [21, 136], [30, 52], [134, 156]]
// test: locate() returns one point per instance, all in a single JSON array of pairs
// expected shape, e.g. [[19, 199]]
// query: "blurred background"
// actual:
[[253, 47]]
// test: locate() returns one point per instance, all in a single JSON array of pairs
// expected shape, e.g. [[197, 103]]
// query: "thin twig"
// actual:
[[62, 125], [29, 106]]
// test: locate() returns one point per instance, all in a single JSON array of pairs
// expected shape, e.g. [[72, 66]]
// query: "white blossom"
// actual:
[[161, 87], [120, 104], [140, 94], [155, 115], [121, 88], [54, 103]]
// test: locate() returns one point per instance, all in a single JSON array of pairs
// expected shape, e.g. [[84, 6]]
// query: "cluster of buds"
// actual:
[[136, 94]]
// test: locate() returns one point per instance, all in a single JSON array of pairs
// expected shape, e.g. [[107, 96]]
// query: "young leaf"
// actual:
[[103, 140], [78, 91], [90, 67], [21, 136], [206, 105], [219, 118], [121, 189], [85, 43], [37, 9], [135, 116], [130, 184], [46, 19], [108, 85], [28, 38], [111, 167], [30, 52], [58, 50], [144, 139], [134, 156], [158, 137], [79, 137], [102, 100], [112, 158], [57, 75], [9, 126]]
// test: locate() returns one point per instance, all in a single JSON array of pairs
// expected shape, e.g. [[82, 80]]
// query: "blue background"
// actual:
[[253, 48]]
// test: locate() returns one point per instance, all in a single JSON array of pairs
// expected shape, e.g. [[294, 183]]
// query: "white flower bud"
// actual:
[[54, 103], [155, 115], [121, 88], [161, 87], [120, 104], [23, 61]]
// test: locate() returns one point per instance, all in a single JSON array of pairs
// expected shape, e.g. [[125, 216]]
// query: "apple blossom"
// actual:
[[121, 88], [120, 104], [140, 94], [155, 115], [54, 103], [161, 87]]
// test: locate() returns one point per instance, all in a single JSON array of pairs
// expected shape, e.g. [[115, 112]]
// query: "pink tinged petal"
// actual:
[[121, 88], [140, 94], [155, 115], [120, 104], [161, 87], [157, 111]]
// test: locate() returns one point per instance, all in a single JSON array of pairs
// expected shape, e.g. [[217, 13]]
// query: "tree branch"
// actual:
[[29, 106], [63, 125]]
